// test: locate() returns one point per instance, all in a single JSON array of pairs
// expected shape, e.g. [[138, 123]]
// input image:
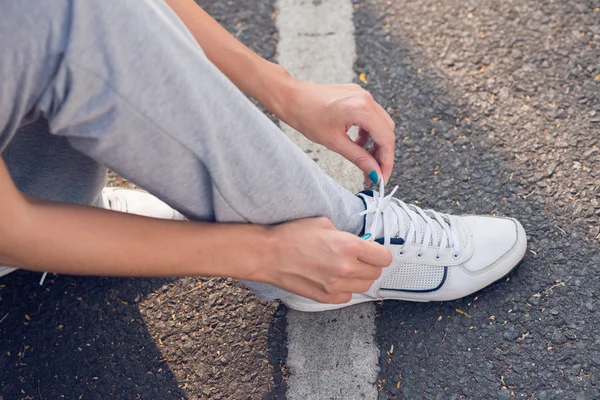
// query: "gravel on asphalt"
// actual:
[[497, 106]]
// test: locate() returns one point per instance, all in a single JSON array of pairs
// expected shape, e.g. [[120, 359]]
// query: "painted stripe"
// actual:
[[331, 355]]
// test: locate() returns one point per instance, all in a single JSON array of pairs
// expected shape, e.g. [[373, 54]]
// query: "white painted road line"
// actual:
[[331, 355]]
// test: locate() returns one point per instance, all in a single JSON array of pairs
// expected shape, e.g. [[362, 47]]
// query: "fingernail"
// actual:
[[366, 236], [373, 176]]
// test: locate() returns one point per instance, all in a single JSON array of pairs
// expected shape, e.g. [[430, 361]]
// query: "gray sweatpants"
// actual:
[[123, 84]]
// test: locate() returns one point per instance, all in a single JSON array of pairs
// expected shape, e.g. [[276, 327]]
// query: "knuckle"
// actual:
[[359, 105], [359, 160], [367, 96], [344, 270]]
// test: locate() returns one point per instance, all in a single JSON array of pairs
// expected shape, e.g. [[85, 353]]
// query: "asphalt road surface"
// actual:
[[497, 106], [498, 111]]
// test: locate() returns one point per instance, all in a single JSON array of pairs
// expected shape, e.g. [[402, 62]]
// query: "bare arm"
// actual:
[[74, 239], [323, 113], [307, 257]]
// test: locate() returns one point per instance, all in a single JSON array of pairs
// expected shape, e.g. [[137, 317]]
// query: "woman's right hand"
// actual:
[[315, 260]]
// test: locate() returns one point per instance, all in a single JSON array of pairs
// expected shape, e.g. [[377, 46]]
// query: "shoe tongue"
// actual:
[[377, 231]]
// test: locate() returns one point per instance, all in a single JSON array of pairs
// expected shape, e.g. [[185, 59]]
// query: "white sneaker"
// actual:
[[138, 202], [436, 257]]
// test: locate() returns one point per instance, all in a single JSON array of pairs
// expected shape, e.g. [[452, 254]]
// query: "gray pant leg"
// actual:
[[135, 92], [47, 167]]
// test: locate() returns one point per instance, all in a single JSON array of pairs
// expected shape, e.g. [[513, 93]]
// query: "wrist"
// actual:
[[281, 87], [260, 255]]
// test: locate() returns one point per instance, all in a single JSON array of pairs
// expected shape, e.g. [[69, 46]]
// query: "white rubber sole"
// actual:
[[318, 307]]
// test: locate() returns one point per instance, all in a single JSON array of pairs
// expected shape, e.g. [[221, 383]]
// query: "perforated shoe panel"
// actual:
[[415, 278]]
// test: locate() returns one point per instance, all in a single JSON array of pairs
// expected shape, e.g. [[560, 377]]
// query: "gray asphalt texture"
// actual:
[[497, 105]]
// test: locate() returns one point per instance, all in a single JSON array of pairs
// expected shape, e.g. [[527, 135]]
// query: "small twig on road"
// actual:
[[3, 318], [560, 229], [39, 391], [557, 284]]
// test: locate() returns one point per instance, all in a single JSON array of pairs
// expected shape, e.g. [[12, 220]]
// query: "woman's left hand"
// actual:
[[325, 113]]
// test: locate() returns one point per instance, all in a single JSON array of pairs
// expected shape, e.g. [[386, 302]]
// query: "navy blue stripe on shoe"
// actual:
[[396, 241]]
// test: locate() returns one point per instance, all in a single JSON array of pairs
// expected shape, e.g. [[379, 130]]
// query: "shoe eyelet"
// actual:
[[419, 255], [400, 252], [455, 255], [438, 257]]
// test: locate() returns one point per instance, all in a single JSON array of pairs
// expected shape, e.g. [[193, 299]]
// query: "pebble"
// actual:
[[510, 334], [543, 395], [558, 337]]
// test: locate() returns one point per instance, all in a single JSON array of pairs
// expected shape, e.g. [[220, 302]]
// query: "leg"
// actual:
[[47, 167], [179, 129]]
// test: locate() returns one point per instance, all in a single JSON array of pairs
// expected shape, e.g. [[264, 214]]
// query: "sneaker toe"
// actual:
[[498, 243]]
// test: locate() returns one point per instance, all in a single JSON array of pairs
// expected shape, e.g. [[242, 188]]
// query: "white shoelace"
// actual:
[[385, 208]]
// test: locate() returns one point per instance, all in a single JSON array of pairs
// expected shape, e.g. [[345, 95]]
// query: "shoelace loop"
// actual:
[[387, 207]]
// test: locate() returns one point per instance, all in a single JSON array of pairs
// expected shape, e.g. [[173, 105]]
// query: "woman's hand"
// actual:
[[311, 258], [325, 113]]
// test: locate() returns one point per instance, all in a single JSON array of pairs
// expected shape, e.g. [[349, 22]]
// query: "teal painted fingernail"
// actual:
[[373, 176], [366, 236]]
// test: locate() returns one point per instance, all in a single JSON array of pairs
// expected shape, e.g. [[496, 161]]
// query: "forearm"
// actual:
[[266, 82], [82, 240]]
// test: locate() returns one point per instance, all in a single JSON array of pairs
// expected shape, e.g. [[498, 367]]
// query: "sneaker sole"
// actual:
[[317, 307]]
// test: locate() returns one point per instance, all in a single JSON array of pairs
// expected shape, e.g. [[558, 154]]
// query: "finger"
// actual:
[[354, 285], [379, 130], [339, 298], [310, 291], [387, 117], [383, 158], [374, 254], [385, 142], [365, 271], [358, 156]]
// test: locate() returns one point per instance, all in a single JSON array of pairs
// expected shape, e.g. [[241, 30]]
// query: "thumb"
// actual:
[[361, 158]]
